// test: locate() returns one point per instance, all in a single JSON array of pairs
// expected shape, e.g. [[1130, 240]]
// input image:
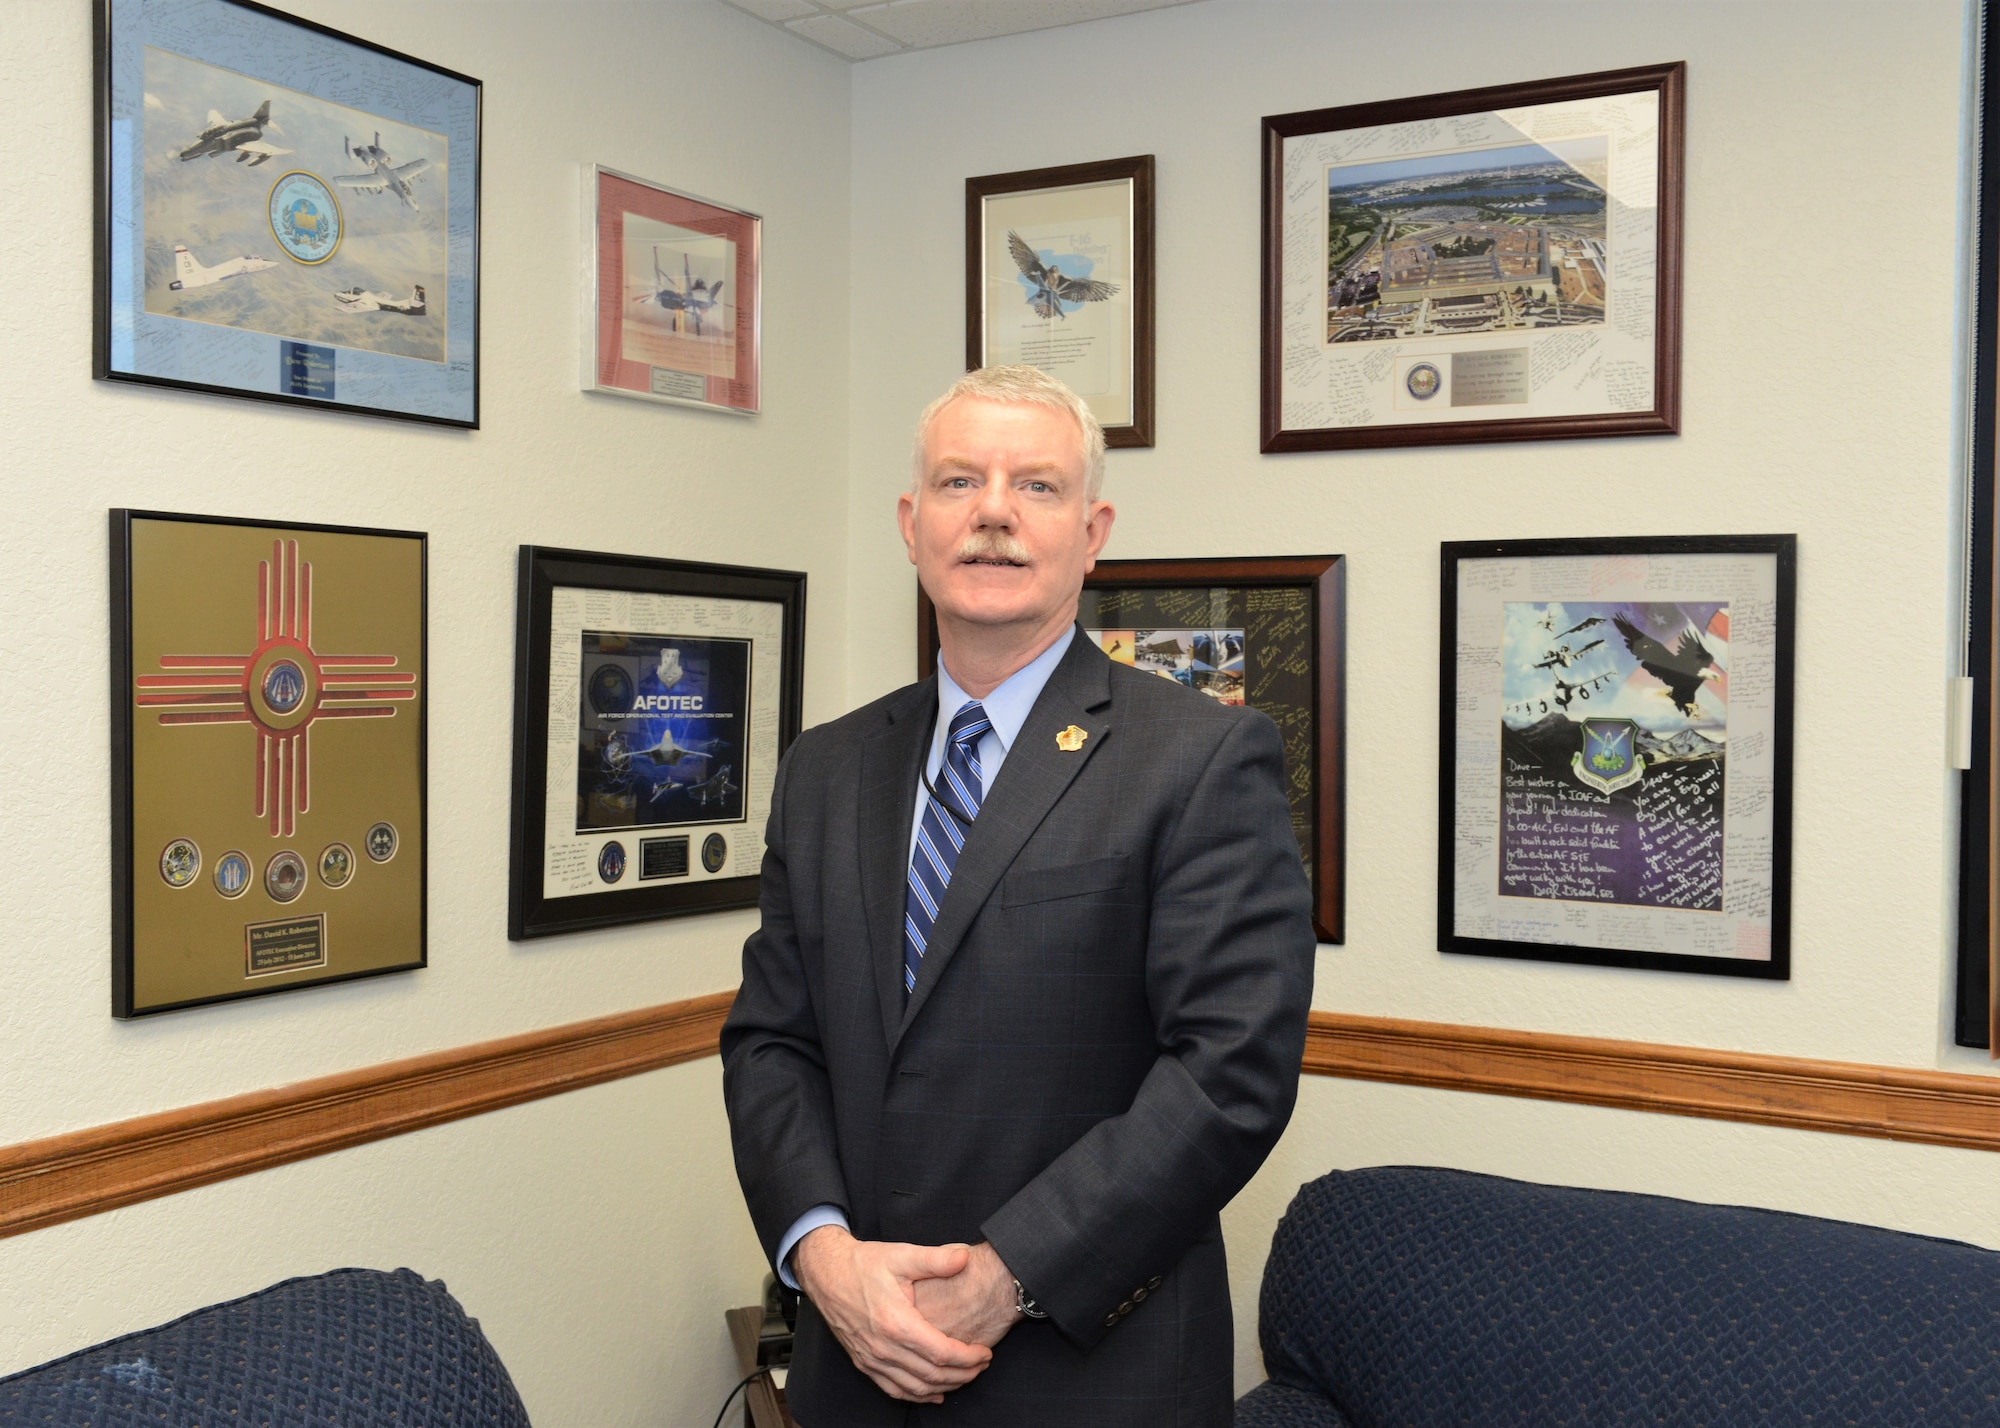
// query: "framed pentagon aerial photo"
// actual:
[[653, 700], [269, 688], [1489, 265], [284, 212]]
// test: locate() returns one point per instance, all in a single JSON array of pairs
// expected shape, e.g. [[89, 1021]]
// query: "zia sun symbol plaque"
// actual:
[[269, 701]]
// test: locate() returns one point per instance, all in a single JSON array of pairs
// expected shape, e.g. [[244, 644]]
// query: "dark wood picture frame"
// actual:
[[1663, 418], [541, 569], [1323, 579], [1138, 169], [1784, 548], [104, 215], [124, 950]]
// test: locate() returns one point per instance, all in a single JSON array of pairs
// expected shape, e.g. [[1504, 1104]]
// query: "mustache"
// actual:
[[993, 545]]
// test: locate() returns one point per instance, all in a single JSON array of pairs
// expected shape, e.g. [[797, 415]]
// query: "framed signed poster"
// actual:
[[284, 212], [673, 305], [653, 700], [1266, 631], [269, 689], [1059, 276], [1489, 265], [1615, 773]]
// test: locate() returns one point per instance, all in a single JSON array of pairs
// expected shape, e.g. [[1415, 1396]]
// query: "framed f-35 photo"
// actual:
[[1615, 752], [653, 700], [673, 295], [1494, 264], [284, 212], [1059, 276], [268, 695]]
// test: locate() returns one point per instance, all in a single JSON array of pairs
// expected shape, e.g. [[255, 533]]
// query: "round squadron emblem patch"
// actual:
[[305, 217], [1423, 381]]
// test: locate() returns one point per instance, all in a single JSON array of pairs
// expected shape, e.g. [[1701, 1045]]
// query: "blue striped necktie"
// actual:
[[948, 812]]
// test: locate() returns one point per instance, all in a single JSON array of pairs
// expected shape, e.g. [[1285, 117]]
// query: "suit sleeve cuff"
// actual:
[[818, 1217]]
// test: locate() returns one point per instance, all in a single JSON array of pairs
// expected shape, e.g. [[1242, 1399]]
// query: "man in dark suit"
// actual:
[[1028, 1000]]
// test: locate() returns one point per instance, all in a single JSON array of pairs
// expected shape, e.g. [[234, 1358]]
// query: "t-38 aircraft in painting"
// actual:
[[190, 274], [241, 137], [358, 299], [383, 175]]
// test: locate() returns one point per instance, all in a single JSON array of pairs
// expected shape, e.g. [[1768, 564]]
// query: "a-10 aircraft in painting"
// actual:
[[383, 175]]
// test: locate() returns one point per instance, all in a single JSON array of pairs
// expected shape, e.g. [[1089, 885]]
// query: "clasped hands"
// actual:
[[920, 1320]]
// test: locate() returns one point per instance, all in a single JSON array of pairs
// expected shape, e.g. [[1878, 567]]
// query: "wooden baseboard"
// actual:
[[65, 1177], [1846, 1098]]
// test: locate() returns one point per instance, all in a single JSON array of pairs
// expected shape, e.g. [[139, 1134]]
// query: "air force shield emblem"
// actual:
[[1610, 757]]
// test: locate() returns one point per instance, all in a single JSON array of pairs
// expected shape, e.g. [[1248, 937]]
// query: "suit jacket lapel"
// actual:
[[891, 761], [1035, 775]]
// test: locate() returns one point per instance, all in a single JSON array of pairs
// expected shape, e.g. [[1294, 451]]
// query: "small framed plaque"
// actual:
[[653, 700], [673, 296], [1494, 264], [269, 688], [1059, 276], [1615, 771], [1266, 631]]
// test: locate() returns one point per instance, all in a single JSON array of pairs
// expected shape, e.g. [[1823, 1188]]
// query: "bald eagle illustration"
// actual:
[[1051, 287], [1681, 669]]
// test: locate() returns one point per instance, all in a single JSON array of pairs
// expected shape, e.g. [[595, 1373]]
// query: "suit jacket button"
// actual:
[[1139, 1295], [1111, 1319], [1153, 1283], [1125, 1308]]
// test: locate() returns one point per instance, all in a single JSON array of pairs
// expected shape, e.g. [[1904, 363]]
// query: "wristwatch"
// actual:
[[1025, 1306]]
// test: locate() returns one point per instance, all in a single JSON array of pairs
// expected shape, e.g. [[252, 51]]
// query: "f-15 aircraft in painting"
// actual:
[[357, 299], [383, 176], [190, 274], [241, 137], [690, 296]]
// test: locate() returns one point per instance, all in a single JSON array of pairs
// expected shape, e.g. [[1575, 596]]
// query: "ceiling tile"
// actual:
[[842, 37], [922, 23], [776, 11]]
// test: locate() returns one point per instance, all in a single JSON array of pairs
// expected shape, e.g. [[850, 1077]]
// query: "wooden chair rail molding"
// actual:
[[66, 1177]]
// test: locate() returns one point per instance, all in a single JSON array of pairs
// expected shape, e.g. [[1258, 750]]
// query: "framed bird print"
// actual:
[[1059, 276], [673, 299], [1615, 736], [284, 212]]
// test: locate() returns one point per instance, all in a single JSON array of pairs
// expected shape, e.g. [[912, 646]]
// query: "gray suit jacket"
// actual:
[[1102, 1046]]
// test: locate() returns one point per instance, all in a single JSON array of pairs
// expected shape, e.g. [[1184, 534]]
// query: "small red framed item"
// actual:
[[673, 301]]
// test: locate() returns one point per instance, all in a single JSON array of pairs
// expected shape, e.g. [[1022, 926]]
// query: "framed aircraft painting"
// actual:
[[1059, 276], [1494, 264], [269, 690], [673, 295], [1615, 752], [653, 700], [285, 213]]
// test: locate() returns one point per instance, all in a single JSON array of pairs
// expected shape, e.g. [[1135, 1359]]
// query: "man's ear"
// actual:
[[906, 520], [1097, 530]]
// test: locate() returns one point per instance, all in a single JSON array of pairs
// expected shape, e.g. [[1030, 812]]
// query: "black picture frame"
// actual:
[[127, 999], [1137, 171], [1446, 115], [1311, 713], [531, 912], [443, 391], [1457, 654]]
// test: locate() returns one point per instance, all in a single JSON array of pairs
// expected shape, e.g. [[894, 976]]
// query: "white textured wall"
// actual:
[[1798, 416], [598, 1236]]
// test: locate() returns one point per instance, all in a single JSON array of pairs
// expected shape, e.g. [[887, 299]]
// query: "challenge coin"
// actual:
[[381, 842], [1423, 381], [336, 865], [180, 863], [714, 852], [611, 862], [285, 876], [232, 874]]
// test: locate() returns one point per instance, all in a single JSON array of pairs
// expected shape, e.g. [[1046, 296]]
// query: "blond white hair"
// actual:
[[1027, 386]]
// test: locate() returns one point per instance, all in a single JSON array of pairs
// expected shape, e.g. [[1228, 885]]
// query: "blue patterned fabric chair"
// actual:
[[1403, 1297], [342, 1350]]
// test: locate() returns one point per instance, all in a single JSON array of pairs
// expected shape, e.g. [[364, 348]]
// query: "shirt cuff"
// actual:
[[817, 1217]]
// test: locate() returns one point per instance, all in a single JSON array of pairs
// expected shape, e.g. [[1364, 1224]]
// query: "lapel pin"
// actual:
[[1071, 739]]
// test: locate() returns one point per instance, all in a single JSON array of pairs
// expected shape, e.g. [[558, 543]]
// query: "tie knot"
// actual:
[[969, 725]]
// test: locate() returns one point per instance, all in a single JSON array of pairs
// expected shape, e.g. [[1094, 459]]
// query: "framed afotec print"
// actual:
[[1059, 276], [1615, 773], [284, 212], [268, 694], [673, 295], [653, 700], [1489, 265]]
